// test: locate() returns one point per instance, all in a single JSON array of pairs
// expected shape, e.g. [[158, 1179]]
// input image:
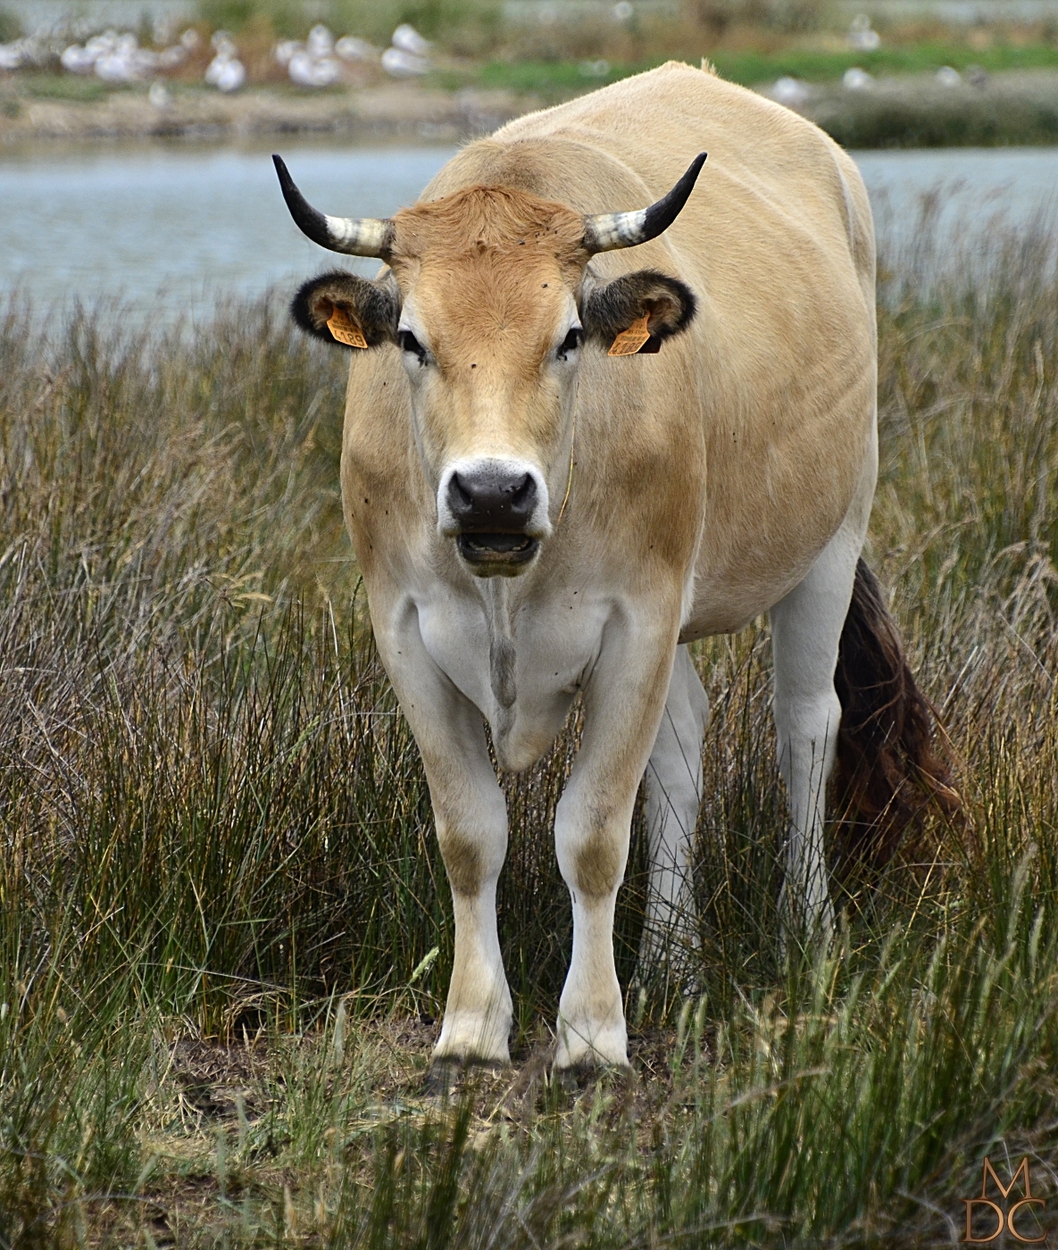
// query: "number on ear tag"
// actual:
[[345, 329], [629, 341]]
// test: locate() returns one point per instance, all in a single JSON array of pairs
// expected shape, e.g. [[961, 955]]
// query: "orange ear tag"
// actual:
[[629, 341], [345, 329]]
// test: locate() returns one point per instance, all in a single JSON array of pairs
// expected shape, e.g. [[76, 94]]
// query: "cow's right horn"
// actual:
[[606, 232], [356, 236]]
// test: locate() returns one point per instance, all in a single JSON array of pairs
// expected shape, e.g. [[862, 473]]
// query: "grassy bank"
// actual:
[[223, 920], [753, 66]]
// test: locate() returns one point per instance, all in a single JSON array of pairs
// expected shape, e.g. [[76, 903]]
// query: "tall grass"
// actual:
[[224, 928]]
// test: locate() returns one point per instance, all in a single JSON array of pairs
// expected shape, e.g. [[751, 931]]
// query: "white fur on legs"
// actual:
[[478, 1013], [806, 629], [471, 818], [623, 706], [472, 832], [674, 796]]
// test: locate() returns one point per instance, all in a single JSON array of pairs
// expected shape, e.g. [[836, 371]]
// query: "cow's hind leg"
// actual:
[[806, 630], [673, 798]]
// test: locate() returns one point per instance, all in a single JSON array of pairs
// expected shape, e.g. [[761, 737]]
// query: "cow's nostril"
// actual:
[[458, 492], [524, 492]]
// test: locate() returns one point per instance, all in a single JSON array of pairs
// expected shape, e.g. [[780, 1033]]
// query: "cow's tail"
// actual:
[[889, 773]]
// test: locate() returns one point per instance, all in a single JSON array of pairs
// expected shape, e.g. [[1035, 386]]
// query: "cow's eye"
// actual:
[[409, 343], [570, 343]]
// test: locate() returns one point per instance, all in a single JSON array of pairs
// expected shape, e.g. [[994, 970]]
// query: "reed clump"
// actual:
[[224, 928]]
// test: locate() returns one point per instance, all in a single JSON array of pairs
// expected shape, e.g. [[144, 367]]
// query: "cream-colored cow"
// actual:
[[537, 517]]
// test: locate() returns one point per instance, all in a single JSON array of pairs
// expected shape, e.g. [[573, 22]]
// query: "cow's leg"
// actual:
[[674, 795], [471, 819], [806, 628], [623, 703]]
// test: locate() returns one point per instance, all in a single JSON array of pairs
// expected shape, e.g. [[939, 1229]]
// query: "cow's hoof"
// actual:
[[445, 1075], [582, 1077], [581, 1046]]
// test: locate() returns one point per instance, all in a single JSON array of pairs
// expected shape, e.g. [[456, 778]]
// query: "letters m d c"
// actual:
[[1003, 1219]]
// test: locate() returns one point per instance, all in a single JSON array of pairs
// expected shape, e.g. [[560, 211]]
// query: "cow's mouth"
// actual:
[[497, 552]]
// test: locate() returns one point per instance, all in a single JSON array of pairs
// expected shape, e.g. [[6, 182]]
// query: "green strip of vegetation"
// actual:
[[66, 87], [751, 68]]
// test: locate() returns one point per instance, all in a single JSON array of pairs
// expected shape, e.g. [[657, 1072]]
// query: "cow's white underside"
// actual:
[[564, 641]]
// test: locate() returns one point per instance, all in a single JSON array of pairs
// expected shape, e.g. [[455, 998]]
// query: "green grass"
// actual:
[[753, 67], [224, 928], [66, 87], [749, 68]]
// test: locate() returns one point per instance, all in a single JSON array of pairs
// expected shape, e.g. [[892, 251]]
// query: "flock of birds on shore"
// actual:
[[316, 62], [320, 60]]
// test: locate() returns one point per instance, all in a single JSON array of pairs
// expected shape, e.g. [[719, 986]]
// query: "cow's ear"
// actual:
[[637, 312], [347, 311]]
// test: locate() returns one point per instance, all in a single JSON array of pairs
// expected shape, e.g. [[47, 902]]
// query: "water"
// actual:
[[170, 228], [180, 225], [975, 185]]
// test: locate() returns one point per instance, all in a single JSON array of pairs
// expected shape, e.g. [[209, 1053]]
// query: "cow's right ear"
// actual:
[[646, 306], [348, 311]]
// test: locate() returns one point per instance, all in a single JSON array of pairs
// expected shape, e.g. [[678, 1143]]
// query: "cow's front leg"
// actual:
[[471, 819], [622, 708]]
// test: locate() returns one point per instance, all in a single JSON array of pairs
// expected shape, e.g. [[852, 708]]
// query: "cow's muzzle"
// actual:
[[492, 509]]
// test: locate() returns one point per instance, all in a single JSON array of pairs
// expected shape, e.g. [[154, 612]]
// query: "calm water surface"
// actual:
[[170, 228]]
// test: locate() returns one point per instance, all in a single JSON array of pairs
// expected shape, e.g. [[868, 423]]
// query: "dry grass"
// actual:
[[224, 928]]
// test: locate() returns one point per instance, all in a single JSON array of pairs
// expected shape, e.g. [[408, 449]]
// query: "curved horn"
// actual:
[[609, 231], [356, 236]]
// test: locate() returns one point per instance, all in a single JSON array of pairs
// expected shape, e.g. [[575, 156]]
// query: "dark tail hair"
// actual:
[[888, 773]]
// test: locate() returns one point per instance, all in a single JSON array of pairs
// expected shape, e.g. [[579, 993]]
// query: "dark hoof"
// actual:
[[445, 1076], [441, 1077], [582, 1077]]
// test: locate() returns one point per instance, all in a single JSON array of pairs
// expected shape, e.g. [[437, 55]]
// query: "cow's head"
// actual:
[[488, 301]]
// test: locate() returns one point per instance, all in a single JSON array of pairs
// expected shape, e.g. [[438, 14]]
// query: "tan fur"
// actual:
[[750, 430], [706, 480]]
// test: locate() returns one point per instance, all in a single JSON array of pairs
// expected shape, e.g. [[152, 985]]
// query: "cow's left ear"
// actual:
[[346, 310], [642, 302]]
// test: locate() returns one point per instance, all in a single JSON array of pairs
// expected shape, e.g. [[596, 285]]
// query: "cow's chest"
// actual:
[[520, 663]]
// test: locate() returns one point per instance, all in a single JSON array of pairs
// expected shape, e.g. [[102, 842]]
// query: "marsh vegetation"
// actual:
[[224, 925]]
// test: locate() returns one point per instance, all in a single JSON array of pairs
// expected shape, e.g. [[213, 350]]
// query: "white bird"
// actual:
[[77, 60], [856, 79], [308, 71], [400, 64], [349, 48], [125, 61], [789, 91], [226, 73], [320, 41], [407, 39]]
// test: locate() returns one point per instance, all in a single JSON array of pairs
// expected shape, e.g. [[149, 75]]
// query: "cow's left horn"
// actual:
[[356, 236], [609, 231]]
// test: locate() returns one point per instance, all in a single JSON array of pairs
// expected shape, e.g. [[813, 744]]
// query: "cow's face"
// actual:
[[490, 305], [489, 334]]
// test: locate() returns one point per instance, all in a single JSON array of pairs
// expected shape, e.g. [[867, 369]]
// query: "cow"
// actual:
[[606, 398]]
